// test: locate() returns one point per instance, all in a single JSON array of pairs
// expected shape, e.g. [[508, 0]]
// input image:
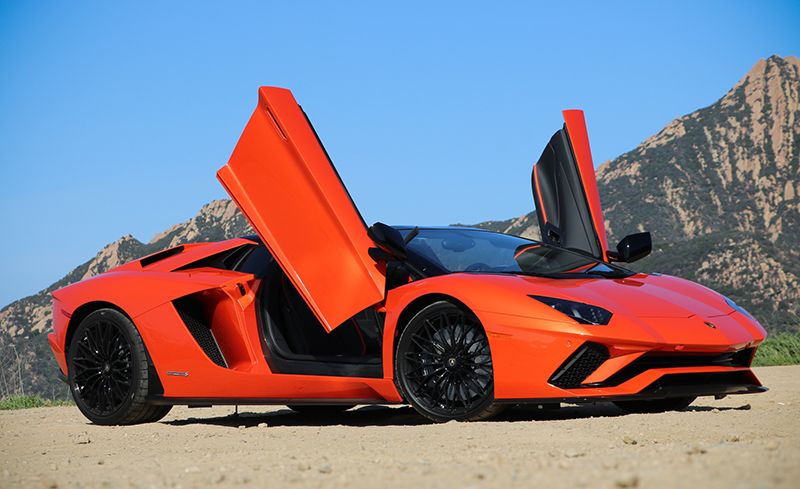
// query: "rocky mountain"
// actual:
[[719, 188]]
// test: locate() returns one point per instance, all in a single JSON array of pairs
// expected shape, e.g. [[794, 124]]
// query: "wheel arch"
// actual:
[[414, 307], [82, 312]]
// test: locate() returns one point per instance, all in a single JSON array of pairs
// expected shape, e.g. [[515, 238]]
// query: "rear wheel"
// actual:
[[108, 374], [443, 366], [157, 413], [321, 409], [656, 405]]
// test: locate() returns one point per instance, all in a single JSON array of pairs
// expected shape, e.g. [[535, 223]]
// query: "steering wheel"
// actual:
[[478, 267]]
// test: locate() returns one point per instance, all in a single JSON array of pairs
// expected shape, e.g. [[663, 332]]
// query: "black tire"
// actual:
[[656, 405], [108, 374], [443, 365], [158, 413], [320, 409]]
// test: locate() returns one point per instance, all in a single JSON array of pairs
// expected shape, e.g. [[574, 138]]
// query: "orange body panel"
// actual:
[[280, 177]]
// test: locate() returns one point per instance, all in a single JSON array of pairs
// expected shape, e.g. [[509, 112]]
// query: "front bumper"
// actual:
[[539, 361]]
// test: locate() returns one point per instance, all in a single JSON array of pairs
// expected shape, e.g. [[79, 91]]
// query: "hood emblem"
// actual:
[[710, 324]]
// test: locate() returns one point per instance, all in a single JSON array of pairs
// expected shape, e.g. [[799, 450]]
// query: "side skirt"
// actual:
[[215, 401]]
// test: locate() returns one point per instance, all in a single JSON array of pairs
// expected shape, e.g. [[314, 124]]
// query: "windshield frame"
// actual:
[[430, 268]]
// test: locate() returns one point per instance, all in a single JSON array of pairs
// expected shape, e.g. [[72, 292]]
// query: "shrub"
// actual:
[[25, 402], [779, 349]]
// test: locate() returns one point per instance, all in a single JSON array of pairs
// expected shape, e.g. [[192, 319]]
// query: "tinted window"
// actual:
[[465, 250], [255, 262]]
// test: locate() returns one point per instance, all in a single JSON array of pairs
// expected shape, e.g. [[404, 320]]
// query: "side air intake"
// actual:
[[161, 255], [192, 315], [579, 366]]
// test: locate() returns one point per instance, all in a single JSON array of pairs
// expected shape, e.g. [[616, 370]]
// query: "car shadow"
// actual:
[[358, 417], [405, 416]]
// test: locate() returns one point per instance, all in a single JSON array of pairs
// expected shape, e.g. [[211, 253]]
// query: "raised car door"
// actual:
[[283, 181], [565, 191]]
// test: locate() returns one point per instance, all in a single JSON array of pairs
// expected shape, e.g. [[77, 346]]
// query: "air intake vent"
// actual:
[[579, 366], [161, 255], [656, 359], [198, 326]]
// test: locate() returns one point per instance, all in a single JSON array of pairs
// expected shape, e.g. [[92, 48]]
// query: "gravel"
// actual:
[[744, 441]]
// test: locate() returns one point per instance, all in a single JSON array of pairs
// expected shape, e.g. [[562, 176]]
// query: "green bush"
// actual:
[[779, 349], [25, 402]]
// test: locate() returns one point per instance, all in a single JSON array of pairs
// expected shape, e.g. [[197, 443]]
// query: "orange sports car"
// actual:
[[320, 312]]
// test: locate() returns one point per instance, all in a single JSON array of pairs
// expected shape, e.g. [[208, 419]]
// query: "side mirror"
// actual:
[[633, 247], [389, 240]]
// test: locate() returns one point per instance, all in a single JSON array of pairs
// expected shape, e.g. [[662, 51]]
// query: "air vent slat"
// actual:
[[200, 331], [579, 366]]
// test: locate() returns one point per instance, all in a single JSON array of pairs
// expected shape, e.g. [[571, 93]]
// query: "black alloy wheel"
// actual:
[[108, 371], [443, 365]]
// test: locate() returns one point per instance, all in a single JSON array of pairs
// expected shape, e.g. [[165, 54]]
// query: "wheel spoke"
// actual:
[[425, 349], [86, 347], [84, 362], [473, 385]]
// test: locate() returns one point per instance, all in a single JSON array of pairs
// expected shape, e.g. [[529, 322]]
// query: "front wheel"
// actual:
[[656, 405], [108, 371], [443, 366]]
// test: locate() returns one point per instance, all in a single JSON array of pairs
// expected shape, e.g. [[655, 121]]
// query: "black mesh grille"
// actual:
[[579, 366], [658, 359], [201, 332]]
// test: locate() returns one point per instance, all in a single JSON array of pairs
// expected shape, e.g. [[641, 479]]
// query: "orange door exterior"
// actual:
[[283, 181]]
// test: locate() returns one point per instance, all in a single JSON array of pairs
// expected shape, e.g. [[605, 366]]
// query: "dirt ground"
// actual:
[[742, 441]]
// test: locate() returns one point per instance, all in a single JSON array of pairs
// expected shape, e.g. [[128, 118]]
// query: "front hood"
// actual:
[[644, 296]]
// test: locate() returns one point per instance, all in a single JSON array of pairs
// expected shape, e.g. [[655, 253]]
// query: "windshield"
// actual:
[[438, 251]]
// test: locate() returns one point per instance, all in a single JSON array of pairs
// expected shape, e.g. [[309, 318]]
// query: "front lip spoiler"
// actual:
[[662, 393]]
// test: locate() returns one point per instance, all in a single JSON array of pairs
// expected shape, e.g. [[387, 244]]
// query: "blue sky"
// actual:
[[114, 119]]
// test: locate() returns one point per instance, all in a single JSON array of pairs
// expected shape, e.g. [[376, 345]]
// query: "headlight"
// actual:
[[583, 313], [738, 307]]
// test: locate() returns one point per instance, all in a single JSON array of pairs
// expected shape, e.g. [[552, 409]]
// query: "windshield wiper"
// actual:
[[612, 274]]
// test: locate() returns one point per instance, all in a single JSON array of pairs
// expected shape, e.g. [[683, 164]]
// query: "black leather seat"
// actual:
[[297, 332]]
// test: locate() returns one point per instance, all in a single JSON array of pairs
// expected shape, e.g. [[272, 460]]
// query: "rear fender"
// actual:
[[138, 292], [135, 294]]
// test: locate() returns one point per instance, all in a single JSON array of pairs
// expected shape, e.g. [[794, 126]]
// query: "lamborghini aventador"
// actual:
[[320, 312]]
